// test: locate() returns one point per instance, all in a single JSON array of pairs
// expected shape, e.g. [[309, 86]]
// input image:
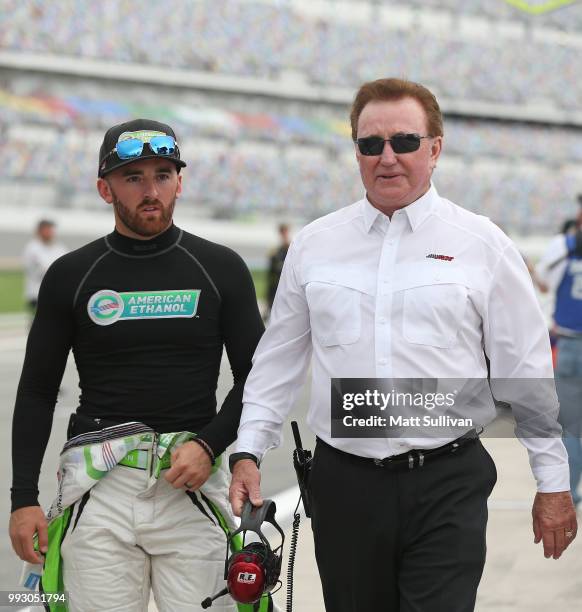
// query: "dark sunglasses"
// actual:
[[400, 143], [133, 147]]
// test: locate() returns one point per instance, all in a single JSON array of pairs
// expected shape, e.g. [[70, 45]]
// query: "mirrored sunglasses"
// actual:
[[133, 147]]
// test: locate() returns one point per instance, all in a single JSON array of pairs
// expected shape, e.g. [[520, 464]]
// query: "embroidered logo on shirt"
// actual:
[[107, 306], [441, 257]]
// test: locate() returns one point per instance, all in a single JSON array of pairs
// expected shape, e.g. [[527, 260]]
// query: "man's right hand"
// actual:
[[246, 481], [24, 523]]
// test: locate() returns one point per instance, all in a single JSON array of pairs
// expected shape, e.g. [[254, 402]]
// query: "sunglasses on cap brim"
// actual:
[[400, 143], [132, 148]]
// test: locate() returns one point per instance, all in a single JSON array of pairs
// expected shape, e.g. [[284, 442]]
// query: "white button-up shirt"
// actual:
[[363, 296]]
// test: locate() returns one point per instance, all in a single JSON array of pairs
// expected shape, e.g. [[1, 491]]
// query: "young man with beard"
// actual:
[[146, 310]]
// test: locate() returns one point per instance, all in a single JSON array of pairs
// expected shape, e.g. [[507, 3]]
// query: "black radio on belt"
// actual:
[[302, 463]]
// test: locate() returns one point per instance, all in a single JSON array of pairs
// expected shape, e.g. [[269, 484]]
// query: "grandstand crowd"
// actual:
[[254, 155], [331, 47]]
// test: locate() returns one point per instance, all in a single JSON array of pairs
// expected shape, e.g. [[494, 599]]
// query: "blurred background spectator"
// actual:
[[39, 254], [561, 270], [275, 267]]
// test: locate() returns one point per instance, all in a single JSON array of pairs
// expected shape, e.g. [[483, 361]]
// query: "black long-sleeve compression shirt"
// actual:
[[147, 322]]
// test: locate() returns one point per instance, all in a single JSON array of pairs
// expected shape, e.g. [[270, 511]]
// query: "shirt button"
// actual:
[[382, 320], [383, 361]]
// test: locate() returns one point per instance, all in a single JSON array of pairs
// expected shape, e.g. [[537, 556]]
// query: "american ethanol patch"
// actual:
[[107, 306]]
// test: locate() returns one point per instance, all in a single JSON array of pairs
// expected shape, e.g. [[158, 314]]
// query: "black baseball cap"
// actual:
[[142, 129]]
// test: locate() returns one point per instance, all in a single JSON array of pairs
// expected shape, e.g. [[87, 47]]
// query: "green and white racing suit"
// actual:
[[117, 528]]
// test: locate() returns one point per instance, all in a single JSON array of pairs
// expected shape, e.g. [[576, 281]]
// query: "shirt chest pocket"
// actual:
[[434, 303], [334, 295]]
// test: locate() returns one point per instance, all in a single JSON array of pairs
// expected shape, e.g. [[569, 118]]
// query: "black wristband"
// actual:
[[238, 456], [206, 448]]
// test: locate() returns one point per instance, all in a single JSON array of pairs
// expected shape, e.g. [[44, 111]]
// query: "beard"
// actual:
[[146, 226]]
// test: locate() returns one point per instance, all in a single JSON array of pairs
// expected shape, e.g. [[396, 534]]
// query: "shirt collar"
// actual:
[[144, 248], [416, 212]]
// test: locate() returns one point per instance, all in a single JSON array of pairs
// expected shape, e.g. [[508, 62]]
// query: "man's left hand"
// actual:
[[191, 467], [554, 522]]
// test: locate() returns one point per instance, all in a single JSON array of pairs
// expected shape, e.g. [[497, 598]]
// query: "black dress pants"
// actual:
[[400, 540]]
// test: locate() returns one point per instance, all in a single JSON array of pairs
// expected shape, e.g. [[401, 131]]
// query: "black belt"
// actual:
[[80, 424], [413, 458]]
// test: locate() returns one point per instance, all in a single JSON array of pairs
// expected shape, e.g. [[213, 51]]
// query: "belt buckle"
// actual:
[[379, 462], [410, 461], [420, 463]]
